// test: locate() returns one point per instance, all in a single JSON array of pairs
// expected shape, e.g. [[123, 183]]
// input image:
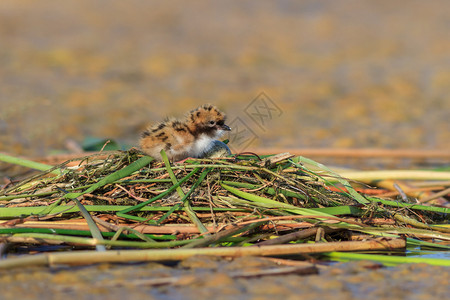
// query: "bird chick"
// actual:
[[192, 137]]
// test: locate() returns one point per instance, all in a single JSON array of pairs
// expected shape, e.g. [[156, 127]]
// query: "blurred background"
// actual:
[[289, 74]]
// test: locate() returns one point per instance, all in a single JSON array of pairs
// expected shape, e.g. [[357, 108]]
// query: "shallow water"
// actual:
[[434, 254]]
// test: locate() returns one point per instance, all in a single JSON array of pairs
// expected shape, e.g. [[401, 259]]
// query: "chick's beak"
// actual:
[[226, 127]]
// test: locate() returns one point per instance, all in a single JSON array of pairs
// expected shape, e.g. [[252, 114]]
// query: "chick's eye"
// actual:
[[212, 123]]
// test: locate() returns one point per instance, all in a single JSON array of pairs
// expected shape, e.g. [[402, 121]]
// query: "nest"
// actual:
[[127, 199]]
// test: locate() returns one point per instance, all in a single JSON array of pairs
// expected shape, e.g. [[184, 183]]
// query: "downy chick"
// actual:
[[191, 137]]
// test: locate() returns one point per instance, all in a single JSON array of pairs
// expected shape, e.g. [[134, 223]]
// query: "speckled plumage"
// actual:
[[191, 137]]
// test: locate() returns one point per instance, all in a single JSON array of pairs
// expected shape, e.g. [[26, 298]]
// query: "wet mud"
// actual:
[[213, 278]]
